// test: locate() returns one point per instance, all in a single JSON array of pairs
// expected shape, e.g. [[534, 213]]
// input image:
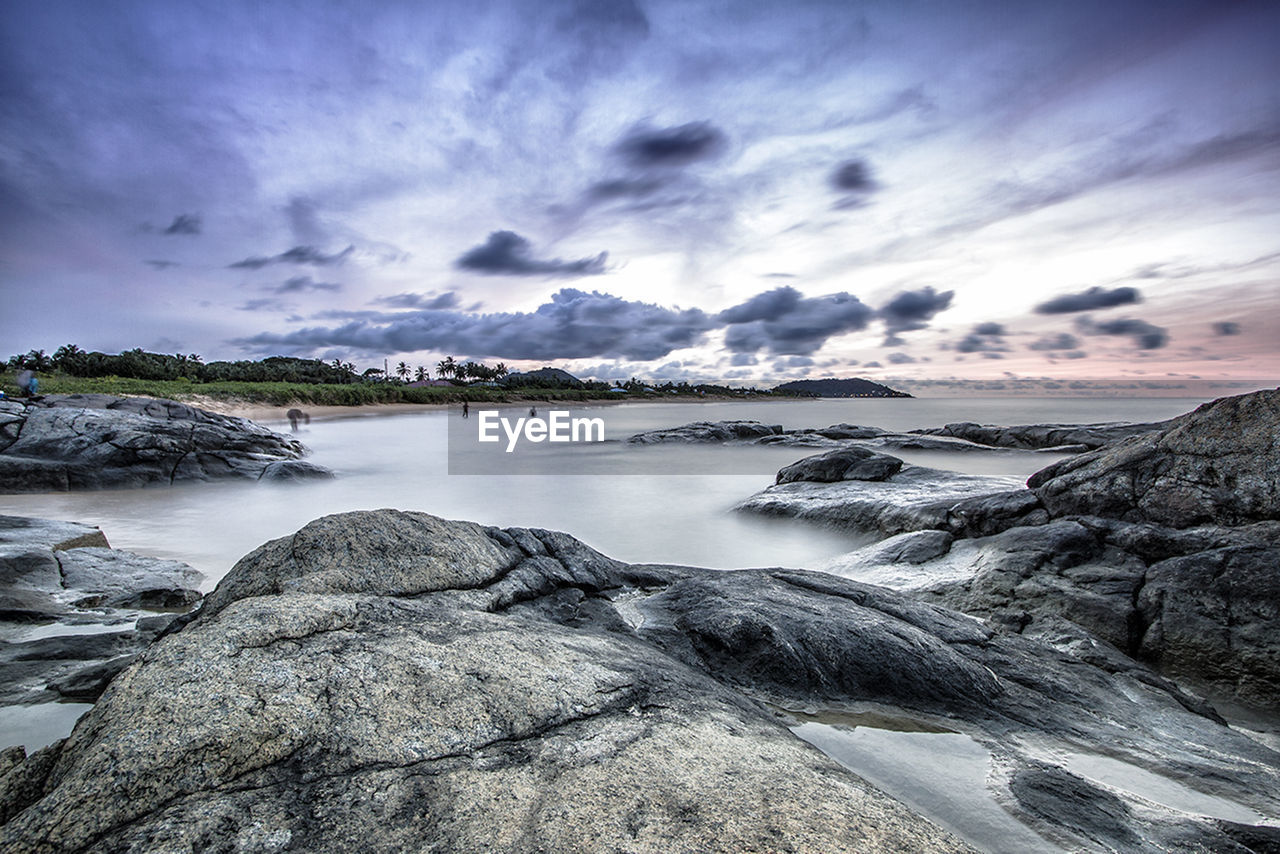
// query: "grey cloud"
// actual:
[[296, 255], [1058, 341], [507, 253], [303, 221], [448, 299], [1075, 354], [1090, 300], [299, 284], [1226, 327], [672, 147], [873, 365], [162, 265], [742, 360], [1145, 335], [854, 176], [574, 324], [986, 338], [783, 322], [901, 359], [184, 224], [911, 310], [618, 188], [264, 304]]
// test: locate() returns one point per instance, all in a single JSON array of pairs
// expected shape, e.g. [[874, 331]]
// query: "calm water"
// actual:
[[644, 513]]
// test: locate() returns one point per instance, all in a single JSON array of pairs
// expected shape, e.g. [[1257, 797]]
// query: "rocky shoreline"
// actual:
[[96, 441], [388, 680]]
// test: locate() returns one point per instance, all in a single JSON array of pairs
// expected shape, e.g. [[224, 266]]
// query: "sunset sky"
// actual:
[[704, 190]]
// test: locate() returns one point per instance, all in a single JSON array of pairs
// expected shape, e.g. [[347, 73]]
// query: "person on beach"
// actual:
[[533, 412], [296, 415], [466, 410]]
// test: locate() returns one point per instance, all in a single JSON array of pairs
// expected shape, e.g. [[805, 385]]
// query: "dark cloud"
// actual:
[[986, 338], [1145, 335], [742, 360], [1058, 341], [911, 310], [184, 224], [1090, 300], [438, 302], [1226, 327], [901, 359], [296, 255], [300, 284], [783, 322], [672, 147], [573, 325], [507, 253], [1074, 354], [873, 365], [853, 176]]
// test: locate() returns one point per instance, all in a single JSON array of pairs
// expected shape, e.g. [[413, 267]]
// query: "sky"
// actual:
[[741, 191]]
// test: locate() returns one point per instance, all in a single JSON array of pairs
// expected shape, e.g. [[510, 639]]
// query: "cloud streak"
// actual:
[[1091, 300]]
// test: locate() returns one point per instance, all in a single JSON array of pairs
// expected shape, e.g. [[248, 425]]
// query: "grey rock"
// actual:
[[1219, 464], [97, 441], [515, 690], [63, 572], [915, 498], [86, 684], [991, 514], [1042, 437], [295, 471], [842, 464], [707, 431]]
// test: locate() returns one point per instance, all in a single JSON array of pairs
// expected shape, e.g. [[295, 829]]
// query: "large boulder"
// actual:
[[841, 464], [64, 442], [707, 431], [1043, 437], [1217, 465], [481, 689]]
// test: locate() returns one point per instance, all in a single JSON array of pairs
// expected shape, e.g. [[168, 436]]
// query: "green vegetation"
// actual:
[[283, 380]]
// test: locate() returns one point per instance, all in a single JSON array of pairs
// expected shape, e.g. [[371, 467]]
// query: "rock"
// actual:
[[707, 431], [484, 689], [64, 572], [1219, 464], [1215, 616], [991, 514], [1041, 437], [913, 499], [294, 471], [843, 464], [64, 442], [87, 684]]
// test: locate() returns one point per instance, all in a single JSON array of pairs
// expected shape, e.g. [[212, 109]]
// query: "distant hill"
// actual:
[[543, 378], [831, 387]]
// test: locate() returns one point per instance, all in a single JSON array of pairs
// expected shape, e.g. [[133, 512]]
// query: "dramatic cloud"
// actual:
[[448, 299], [783, 322], [507, 253], [1144, 335], [911, 310], [184, 224], [573, 325], [1226, 327], [300, 284], [1059, 341], [296, 255], [1090, 300], [647, 148]]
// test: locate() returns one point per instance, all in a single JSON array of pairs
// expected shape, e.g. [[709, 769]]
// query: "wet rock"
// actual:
[[480, 689], [843, 464], [913, 499], [1218, 465], [1042, 437], [66, 442], [294, 471], [708, 431]]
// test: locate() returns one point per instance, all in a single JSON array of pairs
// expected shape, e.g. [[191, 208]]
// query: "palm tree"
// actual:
[[421, 374], [402, 371], [501, 370], [447, 367]]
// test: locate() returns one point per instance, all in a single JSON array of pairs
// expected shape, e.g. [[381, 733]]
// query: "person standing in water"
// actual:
[[466, 410]]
